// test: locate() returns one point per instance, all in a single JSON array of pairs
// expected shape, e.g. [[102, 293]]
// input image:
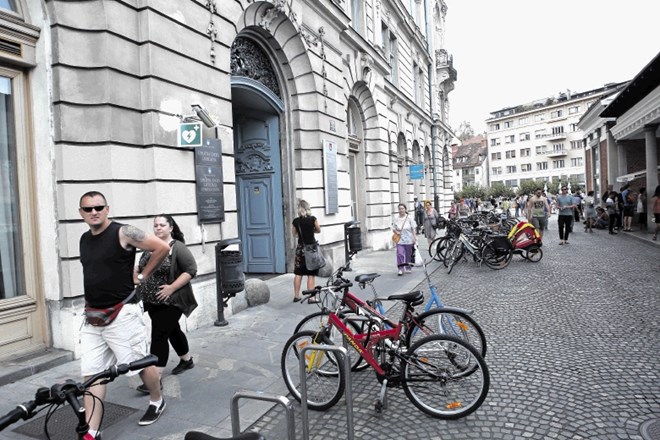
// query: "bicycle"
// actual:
[[439, 320], [485, 247], [442, 376], [68, 392]]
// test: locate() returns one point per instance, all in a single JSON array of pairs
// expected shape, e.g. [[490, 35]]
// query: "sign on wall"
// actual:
[[209, 183], [190, 134], [416, 172], [330, 177]]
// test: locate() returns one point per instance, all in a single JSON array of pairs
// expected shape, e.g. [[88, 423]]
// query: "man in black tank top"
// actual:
[[107, 254]]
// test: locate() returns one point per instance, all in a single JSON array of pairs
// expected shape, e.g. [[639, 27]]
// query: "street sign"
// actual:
[[190, 134], [416, 172]]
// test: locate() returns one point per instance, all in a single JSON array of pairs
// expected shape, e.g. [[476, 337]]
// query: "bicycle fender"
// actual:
[[450, 310]]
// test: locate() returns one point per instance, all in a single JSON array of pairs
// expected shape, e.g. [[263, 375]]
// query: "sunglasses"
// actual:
[[95, 208]]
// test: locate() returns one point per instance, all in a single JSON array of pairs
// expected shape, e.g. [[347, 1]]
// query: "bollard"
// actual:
[[281, 400]]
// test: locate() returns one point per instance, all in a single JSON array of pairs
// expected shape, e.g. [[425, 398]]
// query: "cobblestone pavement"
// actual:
[[573, 350]]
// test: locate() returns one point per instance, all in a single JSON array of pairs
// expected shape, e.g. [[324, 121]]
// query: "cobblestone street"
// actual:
[[573, 349]]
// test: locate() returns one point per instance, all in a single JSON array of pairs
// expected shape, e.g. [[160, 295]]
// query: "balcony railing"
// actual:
[[556, 153]]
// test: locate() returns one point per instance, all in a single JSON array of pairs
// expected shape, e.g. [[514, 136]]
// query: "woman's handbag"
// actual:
[[396, 237], [314, 259]]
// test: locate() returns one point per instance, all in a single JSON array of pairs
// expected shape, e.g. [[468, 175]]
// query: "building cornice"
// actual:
[[631, 124]]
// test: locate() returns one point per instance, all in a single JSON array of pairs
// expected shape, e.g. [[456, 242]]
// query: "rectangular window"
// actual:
[[524, 136], [541, 166], [496, 156], [497, 170], [558, 129], [522, 121], [512, 183], [573, 110], [526, 167], [508, 124], [576, 162], [540, 117], [525, 152], [556, 114], [494, 127], [540, 134], [573, 127], [509, 139], [558, 163], [511, 169], [511, 154], [540, 149], [394, 59], [357, 15], [11, 275], [576, 145], [558, 148]]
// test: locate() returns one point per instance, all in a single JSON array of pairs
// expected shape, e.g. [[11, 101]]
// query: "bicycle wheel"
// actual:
[[325, 380], [533, 254], [448, 323], [495, 258], [438, 385], [317, 320], [441, 248], [453, 255]]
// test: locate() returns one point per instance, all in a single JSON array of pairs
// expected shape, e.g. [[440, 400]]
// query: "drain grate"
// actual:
[[650, 430], [62, 424]]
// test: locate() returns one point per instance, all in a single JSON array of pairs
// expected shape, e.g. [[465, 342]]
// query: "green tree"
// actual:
[[528, 186], [500, 189], [472, 191], [465, 131]]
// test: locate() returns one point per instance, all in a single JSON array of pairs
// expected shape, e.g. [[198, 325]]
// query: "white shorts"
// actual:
[[122, 342]]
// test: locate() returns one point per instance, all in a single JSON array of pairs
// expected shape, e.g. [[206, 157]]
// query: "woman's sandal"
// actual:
[[295, 300]]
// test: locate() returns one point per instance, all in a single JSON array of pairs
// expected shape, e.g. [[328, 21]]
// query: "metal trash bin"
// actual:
[[229, 275]]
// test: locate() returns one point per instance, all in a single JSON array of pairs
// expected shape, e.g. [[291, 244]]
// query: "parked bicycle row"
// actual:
[[436, 356], [490, 239]]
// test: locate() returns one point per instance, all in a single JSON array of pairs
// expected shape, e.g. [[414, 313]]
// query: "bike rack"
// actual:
[[286, 403], [348, 389]]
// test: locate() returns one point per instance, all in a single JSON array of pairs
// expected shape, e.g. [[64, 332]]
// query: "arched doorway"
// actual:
[[257, 107]]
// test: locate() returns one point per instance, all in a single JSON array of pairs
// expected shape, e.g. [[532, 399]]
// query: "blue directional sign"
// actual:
[[416, 172]]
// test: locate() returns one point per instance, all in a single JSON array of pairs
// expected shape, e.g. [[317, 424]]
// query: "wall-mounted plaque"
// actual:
[[209, 185]]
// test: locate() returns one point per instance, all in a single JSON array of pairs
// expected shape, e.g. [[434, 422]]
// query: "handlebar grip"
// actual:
[[23, 411], [147, 361]]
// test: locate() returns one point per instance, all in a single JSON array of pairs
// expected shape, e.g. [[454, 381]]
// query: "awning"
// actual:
[[632, 176]]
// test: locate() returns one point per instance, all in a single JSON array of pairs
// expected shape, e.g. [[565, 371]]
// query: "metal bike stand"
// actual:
[[286, 403], [348, 389]]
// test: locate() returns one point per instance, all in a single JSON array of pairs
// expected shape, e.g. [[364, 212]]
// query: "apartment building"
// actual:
[[470, 162], [540, 140]]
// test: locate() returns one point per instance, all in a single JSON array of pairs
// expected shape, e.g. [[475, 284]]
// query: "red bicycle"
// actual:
[[441, 375]]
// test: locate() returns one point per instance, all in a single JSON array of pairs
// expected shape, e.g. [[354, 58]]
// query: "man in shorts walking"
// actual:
[[107, 254], [538, 211]]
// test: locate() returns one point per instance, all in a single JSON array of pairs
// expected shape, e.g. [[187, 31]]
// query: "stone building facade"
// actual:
[[324, 100]]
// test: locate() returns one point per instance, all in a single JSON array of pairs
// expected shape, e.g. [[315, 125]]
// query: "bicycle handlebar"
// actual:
[[68, 390], [337, 286]]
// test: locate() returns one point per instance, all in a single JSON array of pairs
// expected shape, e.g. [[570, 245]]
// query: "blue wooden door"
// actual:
[[259, 192]]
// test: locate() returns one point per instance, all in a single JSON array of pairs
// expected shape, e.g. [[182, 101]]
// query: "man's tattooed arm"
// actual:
[[133, 233]]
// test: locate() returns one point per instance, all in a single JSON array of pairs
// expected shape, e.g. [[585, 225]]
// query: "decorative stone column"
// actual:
[[612, 159], [651, 166]]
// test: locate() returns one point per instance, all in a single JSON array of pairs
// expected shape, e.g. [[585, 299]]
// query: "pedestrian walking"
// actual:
[[642, 210], [167, 295], [538, 211], [629, 202], [655, 202], [419, 215], [613, 211], [304, 228], [589, 212], [107, 254], [577, 201], [566, 207], [403, 228], [430, 221]]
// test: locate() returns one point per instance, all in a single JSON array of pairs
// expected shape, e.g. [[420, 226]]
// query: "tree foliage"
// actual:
[[472, 191], [500, 189], [465, 131]]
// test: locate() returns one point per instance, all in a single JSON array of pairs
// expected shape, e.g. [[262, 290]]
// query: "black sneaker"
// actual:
[[152, 414], [183, 366], [143, 388]]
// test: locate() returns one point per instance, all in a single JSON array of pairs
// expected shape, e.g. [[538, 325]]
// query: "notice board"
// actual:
[[209, 184]]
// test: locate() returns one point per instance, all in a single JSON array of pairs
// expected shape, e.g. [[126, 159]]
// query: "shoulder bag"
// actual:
[[104, 317], [314, 259]]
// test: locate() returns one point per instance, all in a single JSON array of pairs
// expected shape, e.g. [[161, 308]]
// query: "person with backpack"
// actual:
[[629, 202]]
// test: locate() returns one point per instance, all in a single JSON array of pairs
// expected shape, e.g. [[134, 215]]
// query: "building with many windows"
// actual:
[[329, 101], [470, 163], [540, 140]]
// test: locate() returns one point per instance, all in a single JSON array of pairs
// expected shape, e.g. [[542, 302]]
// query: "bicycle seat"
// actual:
[[194, 435], [413, 298], [366, 277]]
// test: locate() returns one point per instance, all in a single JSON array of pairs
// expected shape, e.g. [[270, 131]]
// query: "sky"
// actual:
[[512, 52]]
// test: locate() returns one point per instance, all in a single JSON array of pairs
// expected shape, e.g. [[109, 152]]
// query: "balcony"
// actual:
[[557, 153], [555, 136]]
